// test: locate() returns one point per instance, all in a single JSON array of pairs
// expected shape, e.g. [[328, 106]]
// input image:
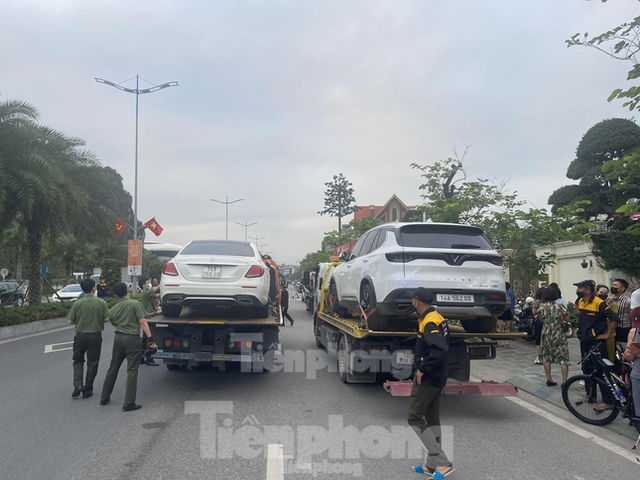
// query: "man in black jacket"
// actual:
[[432, 360], [284, 303]]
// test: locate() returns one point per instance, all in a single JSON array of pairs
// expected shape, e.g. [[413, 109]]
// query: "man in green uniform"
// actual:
[[432, 370], [89, 315], [148, 300], [127, 316]]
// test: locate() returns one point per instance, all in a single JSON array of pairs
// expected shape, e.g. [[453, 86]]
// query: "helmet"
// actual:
[[529, 300]]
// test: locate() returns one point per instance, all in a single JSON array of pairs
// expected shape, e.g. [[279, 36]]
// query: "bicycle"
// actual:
[[581, 400]]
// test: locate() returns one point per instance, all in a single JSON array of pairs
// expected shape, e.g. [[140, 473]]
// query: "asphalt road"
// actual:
[[208, 424]]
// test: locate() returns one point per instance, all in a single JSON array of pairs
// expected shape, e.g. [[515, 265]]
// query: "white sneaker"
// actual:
[[581, 383], [537, 361]]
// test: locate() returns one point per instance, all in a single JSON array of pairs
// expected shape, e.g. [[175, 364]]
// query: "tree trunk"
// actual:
[[34, 268]]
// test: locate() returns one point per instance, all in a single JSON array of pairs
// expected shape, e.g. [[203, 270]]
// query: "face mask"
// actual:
[[579, 294], [603, 296], [614, 290]]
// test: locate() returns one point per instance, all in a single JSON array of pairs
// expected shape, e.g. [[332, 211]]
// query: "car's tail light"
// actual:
[[497, 296], [399, 257], [255, 271], [170, 269]]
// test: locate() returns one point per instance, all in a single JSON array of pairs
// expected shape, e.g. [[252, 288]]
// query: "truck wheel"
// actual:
[[173, 366], [368, 303], [171, 310], [343, 360], [316, 332], [480, 325]]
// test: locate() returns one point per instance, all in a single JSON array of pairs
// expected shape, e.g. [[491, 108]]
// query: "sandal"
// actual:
[[603, 407], [582, 400], [437, 475], [423, 469]]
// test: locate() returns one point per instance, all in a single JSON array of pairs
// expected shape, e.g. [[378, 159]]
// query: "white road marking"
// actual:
[[612, 447], [275, 462], [52, 347], [31, 335]]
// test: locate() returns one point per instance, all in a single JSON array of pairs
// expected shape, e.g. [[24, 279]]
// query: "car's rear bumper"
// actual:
[[213, 300], [486, 303]]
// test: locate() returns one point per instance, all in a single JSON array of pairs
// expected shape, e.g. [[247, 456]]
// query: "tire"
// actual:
[[569, 333], [19, 301], [333, 300], [375, 321], [480, 325], [173, 366], [343, 363], [316, 332], [572, 392], [171, 310]]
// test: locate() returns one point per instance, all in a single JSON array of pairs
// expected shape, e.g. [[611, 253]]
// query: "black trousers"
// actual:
[[590, 365], [89, 344], [285, 313]]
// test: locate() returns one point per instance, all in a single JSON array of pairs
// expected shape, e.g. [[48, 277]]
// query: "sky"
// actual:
[[276, 97]]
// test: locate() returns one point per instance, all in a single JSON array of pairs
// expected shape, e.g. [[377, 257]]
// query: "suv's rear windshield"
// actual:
[[442, 236], [219, 248]]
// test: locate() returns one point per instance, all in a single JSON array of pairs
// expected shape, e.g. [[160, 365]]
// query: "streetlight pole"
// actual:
[[226, 204], [137, 91], [245, 225]]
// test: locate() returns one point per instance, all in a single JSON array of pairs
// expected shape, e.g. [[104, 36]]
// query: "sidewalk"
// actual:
[[515, 365]]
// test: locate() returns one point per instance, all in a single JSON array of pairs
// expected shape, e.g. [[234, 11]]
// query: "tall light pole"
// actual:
[[226, 204], [246, 225], [256, 238], [137, 92]]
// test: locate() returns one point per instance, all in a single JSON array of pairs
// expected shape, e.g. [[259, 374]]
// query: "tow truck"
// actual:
[[364, 353], [220, 336]]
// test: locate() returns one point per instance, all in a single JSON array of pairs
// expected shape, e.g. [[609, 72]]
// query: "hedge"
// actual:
[[33, 313]]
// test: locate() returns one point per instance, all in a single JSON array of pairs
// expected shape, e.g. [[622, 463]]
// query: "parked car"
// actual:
[[70, 292], [219, 273], [11, 294], [387, 263]]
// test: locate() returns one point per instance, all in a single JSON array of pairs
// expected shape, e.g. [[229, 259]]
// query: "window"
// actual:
[[366, 246], [442, 236], [394, 214], [235, 249], [358, 247], [381, 238]]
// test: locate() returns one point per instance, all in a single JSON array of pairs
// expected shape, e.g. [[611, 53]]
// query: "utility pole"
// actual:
[[245, 225], [226, 204]]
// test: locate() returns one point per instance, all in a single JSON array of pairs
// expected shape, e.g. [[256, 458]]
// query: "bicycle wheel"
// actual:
[[581, 400]]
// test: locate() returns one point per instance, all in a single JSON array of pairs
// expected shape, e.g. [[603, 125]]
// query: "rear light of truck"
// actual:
[[170, 269], [254, 272]]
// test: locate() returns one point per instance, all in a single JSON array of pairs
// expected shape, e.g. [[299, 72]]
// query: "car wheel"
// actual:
[[20, 301], [171, 310], [375, 321], [262, 312], [333, 300], [480, 325]]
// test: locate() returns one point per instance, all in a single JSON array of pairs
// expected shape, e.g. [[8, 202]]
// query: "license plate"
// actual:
[[209, 271], [404, 358], [454, 297]]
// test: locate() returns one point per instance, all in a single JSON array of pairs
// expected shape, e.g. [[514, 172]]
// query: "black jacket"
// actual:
[[432, 348], [593, 316], [284, 298]]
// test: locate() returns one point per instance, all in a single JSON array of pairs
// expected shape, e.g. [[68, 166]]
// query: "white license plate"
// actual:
[[405, 358], [454, 297], [209, 271]]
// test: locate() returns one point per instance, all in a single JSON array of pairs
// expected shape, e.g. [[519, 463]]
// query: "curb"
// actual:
[[554, 396], [32, 327]]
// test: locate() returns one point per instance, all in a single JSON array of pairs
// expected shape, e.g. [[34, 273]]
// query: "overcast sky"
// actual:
[[276, 97]]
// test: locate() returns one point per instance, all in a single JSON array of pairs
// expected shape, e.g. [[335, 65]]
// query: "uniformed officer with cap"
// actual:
[[432, 359]]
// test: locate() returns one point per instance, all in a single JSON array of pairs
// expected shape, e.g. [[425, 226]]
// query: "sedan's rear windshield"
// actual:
[[235, 249], [442, 236]]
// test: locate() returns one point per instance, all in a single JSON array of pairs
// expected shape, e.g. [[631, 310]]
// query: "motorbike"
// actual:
[[523, 321]]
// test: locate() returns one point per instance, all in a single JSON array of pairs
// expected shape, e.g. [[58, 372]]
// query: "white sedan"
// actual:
[[218, 273], [70, 292]]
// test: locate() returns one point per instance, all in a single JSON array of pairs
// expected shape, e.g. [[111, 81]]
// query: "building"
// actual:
[[394, 210]]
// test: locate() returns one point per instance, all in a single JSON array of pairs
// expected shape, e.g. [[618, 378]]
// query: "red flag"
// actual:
[[120, 228], [154, 226]]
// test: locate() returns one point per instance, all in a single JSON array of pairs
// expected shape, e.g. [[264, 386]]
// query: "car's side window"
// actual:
[[358, 247], [381, 238], [371, 238]]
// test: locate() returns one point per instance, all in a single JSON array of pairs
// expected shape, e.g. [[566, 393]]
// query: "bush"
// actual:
[[33, 313]]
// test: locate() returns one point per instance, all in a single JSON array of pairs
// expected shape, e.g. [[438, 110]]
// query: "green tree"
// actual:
[[618, 250], [40, 187], [338, 199], [310, 261], [606, 166], [620, 43]]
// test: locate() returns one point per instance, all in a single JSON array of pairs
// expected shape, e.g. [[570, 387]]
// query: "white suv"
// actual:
[[455, 262]]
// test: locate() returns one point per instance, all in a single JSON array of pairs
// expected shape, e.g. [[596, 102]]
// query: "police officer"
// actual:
[[593, 331], [148, 300], [432, 359], [88, 314], [127, 316]]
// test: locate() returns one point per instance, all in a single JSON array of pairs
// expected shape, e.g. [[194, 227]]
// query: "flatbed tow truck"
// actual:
[[219, 336], [363, 353]]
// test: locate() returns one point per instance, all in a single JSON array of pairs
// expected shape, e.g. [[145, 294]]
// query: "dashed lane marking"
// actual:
[[275, 462], [58, 347]]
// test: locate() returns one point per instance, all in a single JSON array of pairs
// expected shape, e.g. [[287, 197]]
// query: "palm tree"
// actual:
[[42, 187]]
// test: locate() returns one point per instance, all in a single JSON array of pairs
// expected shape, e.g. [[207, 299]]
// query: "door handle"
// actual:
[[365, 261]]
